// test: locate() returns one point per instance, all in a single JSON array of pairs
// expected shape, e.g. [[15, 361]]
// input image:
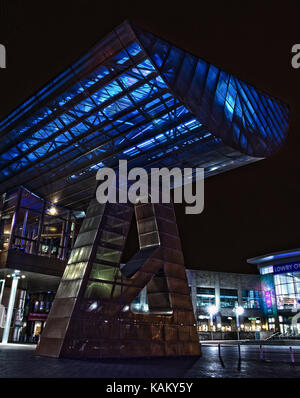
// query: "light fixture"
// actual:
[[212, 309], [16, 275], [52, 210], [239, 310], [93, 306]]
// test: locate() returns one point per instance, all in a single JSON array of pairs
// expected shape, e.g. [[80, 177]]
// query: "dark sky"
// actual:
[[248, 211]]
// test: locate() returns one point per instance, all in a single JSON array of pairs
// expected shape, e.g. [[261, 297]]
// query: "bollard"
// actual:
[[239, 349], [239, 362], [292, 355], [261, 353], [220, 357]]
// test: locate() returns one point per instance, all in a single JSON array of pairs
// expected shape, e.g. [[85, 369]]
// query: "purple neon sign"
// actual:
[[268, 298]]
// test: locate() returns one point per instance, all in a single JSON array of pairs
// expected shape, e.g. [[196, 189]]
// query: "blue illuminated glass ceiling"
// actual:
[[136, 97]]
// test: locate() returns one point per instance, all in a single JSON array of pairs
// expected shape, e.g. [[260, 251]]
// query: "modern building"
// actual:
[[280, 281], [36, 254], [227, 291], [132, 97]]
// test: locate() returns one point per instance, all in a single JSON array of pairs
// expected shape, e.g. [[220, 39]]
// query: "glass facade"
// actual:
[[280, 290], [287, 289], [205, 297], [36, 309], [251, 299], [32, 225], [140, 303], [233, 110], [228, 298]]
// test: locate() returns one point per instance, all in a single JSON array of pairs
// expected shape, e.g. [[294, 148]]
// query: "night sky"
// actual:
[[249, 211]]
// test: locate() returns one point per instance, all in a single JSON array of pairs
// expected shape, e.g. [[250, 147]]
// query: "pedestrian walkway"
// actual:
[[19, 361]]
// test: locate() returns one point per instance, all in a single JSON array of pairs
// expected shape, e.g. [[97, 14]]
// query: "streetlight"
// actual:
[[13, 291], [212, 310], [238, 311]]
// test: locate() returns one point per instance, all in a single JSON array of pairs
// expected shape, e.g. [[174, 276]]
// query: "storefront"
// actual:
[[36, 311], [34, 295], [280, 276]]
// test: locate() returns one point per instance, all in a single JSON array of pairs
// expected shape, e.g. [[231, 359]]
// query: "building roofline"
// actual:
[[274, 256]]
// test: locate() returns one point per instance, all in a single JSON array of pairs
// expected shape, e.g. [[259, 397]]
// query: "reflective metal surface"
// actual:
[[91, 315]]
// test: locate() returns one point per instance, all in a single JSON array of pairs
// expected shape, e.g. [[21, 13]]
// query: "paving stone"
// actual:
[[20, 362]]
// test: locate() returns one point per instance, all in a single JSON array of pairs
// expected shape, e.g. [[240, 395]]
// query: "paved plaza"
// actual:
[[19, 361]]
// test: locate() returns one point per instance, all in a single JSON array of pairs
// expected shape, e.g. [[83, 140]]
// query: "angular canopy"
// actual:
[[134, 96]]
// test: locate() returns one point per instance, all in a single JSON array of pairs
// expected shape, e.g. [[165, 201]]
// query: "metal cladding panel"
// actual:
[[92, 316], [135, 97], [242, 116]]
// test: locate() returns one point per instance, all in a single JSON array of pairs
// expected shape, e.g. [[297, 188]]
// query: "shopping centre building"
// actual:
[[132, 97], [226, 291], [280, 287], [270, 299]]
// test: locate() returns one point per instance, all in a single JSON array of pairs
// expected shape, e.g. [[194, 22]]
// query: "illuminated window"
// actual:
[[266, 270], [228, 298], [287, 288], [250, 299], [205, 296], [36, 306]]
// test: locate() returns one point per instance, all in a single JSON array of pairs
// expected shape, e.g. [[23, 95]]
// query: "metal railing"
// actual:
[[273, 336], [261, 353], [283, 336]]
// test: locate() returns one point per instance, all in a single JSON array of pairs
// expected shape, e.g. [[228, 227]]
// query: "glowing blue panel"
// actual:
[[117, 106], [110, 90], [134, 49], [127, 80]]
